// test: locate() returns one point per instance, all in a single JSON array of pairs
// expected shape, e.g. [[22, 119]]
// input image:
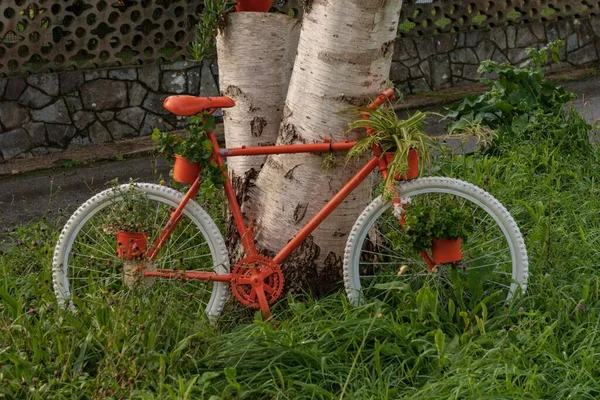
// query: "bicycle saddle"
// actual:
[[192, 105]]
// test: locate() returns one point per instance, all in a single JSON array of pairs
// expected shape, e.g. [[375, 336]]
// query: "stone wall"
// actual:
[[440, 45], [41, 35], [451, 59], [50, 112]]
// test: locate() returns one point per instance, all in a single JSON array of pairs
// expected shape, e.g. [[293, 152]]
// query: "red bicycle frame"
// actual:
[[246, 234]]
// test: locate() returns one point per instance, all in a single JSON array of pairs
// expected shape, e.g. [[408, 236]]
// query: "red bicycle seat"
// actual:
[[192, 105]]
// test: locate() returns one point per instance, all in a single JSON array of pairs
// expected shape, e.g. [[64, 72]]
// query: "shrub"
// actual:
[[521, 105]]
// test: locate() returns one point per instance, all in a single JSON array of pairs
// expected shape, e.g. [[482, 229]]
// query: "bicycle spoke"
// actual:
[[188, 249], [104, 237], [93, 257], [488, 255], [91, 263], [170, 241], [389, 263], [387, 252], [485, 244], [112, 256]]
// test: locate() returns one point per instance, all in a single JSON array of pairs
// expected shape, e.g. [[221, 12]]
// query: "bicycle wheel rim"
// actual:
[[400, 271], [70, 265]]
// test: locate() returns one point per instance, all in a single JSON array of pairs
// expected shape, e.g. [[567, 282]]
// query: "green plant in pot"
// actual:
[[191, 155], [405, 144], [129, 221], [211, 22], [438, 224]]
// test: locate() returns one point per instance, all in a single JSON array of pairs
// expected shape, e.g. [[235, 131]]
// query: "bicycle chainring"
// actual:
[[252, 272]]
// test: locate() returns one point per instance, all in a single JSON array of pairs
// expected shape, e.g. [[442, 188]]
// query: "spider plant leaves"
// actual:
[[393, 134]]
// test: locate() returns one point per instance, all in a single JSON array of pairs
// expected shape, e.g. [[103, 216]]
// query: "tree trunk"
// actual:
[[256, 54], [344, 59]]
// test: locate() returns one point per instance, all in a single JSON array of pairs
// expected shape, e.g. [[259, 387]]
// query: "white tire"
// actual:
[[82, 232], [359, 246]]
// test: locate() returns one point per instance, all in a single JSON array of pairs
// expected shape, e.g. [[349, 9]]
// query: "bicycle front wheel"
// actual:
[[379, 256], [86, 267]]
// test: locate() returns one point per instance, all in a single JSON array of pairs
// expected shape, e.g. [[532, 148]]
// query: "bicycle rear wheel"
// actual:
[[86, 267], [378, 257]]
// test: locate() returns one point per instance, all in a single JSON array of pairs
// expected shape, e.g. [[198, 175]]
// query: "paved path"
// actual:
[[56, 193], [589, 97]]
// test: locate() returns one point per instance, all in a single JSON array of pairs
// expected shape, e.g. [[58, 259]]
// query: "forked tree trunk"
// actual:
[[256, 53], [344, 59]]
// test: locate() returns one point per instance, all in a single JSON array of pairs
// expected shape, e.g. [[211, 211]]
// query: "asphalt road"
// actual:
[[589, 97], [56, 193]]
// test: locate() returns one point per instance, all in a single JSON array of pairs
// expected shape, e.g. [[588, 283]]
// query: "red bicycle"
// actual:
[[187, 250]]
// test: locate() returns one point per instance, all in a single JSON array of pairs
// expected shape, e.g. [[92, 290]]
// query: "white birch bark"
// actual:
[[344, 59], [256, 54]]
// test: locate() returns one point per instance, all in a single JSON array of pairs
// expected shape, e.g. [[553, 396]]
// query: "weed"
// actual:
[[72, 163], [521, 105]]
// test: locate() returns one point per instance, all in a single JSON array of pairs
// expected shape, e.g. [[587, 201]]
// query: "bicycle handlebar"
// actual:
[[388, 94]]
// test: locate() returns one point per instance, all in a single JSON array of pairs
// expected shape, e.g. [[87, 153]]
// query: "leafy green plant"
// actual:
[[438, 218], [196, 147], [72, 163], [393, 134], [131, 214], [211, 21], [521, 105]]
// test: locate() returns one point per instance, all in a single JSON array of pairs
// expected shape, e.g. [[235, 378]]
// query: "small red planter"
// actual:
[[254, 5], [413, 165], [185, 171], [131, 245], [446, 251]]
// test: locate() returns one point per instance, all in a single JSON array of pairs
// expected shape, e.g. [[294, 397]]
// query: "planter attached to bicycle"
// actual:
[[254, 5], [446, 250], [132, 245], [185, 171], [413, 165]]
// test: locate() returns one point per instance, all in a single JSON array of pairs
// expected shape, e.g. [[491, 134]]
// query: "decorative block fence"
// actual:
[[75, 72]]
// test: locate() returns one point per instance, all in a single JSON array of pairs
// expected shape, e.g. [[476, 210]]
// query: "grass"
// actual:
[[154, 346]]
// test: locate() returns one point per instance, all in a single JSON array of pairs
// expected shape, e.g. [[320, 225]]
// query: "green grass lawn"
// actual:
[[544, 345]]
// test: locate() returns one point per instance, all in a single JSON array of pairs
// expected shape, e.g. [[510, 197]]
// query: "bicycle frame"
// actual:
[[246, 234]]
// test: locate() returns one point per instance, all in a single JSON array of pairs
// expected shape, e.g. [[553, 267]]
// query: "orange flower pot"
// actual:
[[131, 245], [413, 165], [446, 251], [185, 171], [254, 5]]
